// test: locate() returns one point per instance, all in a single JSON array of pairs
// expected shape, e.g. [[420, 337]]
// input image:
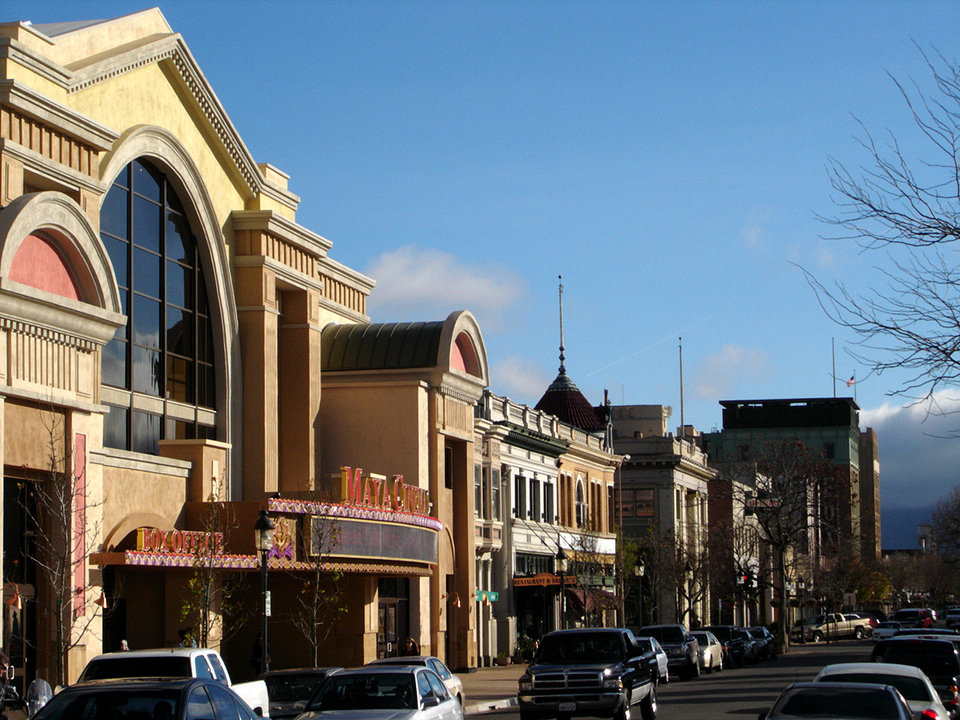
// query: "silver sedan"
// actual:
[[453, 683], [711, 651]]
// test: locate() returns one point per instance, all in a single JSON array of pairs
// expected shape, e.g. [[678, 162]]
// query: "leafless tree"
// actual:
[[63, 519], [213, 592], [796, 504], [906, 203], [320, 592]]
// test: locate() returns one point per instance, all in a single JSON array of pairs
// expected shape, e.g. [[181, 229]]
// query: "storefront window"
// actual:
[[166, 348]]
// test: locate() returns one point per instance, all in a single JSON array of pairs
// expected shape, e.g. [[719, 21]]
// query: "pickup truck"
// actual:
[[831, 626], [589, 672], [176, 663]]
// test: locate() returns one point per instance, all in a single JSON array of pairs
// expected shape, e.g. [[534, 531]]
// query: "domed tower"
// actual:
[[564, 399]]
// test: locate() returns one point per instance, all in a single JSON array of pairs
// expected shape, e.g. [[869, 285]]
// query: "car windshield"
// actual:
[[723, 633], [110, 703], [666, 635], [383, 691], [580, 648], [937, 659], [163, 666], [701, 638], [292, 687], [867, 703], [756, 632], [912, 688]]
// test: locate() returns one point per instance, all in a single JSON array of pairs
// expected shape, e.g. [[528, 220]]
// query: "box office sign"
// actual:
[[179, 541], [373, 540]]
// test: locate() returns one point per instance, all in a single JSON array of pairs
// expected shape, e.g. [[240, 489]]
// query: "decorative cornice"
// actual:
[[18, 96], [15, 51], [287, 230], [56, 336]]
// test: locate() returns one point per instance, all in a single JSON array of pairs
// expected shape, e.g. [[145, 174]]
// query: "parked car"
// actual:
[[290, 690], [180, 662], [587, 672], [410, 692], [733, 649], [864, 701], [876, 615], [682, 652], [912, 683], [171, 698], [886, 629], [764, 641], [652, 645], [710, 650], [938, 659], [913, 617], [831, 626], [751, 653], [453, 683], [952, 617]]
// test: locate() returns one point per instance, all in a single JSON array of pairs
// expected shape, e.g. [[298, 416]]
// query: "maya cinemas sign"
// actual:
[[377, 491]]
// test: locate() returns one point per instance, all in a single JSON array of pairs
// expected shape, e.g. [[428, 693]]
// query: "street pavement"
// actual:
[[490, 688]]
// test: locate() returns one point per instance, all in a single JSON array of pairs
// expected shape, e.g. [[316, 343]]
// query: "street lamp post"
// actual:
[[562, 570], [263, 529]]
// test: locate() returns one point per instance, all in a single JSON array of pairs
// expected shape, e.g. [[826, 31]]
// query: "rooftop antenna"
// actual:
[[562, 368]]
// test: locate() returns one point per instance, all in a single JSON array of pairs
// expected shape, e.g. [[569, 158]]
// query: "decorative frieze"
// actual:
[[344, 295], [43, 359], [50, 143]]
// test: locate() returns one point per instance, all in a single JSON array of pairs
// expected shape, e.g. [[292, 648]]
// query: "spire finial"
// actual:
[[562, 368]]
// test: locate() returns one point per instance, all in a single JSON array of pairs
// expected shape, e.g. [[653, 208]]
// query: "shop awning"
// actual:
[[591, 599]]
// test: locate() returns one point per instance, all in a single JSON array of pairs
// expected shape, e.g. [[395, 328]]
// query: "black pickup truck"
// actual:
[[590, 672]]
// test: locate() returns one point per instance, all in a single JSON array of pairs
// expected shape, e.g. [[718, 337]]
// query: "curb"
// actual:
[[488, 705]]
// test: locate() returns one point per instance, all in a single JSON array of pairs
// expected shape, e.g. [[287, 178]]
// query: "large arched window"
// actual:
[[164, 355]]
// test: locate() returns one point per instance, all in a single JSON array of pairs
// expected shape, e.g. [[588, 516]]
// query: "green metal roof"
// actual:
[[380, 346]]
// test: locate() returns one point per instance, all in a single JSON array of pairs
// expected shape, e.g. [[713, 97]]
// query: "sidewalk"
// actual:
[[490, 688]]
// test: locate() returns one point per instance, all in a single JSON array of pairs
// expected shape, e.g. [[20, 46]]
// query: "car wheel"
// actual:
[[527, 714], [817, 636], [648, 708], [624, 712], [858, 633], [720, 665]]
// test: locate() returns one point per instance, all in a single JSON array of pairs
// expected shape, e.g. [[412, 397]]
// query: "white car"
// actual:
[[886, 629], [453, 683], [393, 692], [711, 650], [912, 683], [653, 645]]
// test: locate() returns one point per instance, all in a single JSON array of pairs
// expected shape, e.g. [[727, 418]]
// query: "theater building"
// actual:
[[176, 349]]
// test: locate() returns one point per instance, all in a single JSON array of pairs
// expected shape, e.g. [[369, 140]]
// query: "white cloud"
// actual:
[[919, 451], [721, 374], [520, 379], [427, 284], [754, 232]]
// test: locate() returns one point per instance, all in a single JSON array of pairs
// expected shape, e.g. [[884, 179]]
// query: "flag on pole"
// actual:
[[852, 380]]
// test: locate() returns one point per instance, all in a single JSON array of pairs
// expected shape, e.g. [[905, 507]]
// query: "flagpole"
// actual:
[[683, 427]]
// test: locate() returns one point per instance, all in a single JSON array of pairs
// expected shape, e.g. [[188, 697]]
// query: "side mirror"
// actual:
[[430, 702]]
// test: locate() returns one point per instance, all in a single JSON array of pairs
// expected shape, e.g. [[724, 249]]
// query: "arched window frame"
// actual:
[[161, 278]]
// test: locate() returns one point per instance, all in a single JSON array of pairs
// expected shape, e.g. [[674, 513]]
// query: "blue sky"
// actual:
[[667, 158]]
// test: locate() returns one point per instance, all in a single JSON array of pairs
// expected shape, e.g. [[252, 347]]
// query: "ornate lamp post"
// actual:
[[263, 529], [561, 571]]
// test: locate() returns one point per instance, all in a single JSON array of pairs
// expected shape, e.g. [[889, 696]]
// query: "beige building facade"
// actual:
[[174, 346]]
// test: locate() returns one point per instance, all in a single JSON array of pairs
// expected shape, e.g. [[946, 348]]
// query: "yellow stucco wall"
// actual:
[[154, 95]]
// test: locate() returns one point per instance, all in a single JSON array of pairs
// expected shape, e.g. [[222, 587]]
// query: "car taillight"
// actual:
[[954, 700], [929, 715]]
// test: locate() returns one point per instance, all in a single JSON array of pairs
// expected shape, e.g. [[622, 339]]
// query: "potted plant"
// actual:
[[502, 658]]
